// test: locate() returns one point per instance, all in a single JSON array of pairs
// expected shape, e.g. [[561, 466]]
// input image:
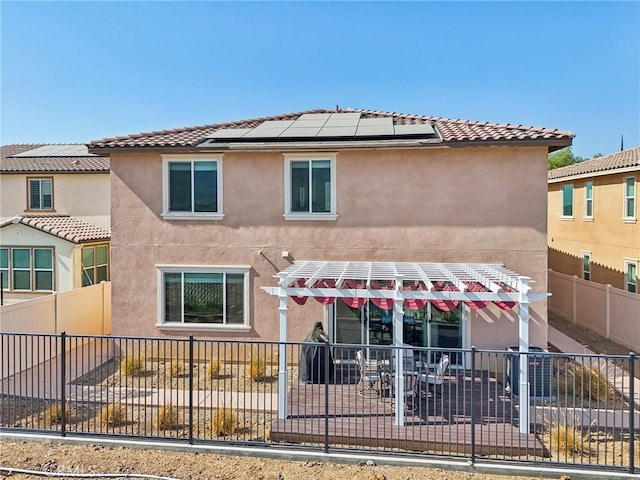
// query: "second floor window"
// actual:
[[567, 200], [630, 197], [588, 199], [40, 194], [192, 188], [310, 188]]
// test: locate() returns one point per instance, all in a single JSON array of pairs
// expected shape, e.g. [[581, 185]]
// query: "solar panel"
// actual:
[[415, 129], [230, 133], [342, 131], [323, 126], [57, 151], [300, 132]]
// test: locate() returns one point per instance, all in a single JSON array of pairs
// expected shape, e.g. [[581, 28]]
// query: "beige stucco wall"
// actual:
[[607, 236], [433, 205], [83, 195]]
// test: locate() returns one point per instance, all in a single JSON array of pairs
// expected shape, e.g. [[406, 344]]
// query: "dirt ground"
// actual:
[[56, 457]]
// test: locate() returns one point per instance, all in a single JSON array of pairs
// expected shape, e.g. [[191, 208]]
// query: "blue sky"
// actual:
[[77, 71]]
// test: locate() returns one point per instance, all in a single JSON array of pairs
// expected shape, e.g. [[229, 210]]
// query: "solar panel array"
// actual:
[[324, 126], [57, 151]]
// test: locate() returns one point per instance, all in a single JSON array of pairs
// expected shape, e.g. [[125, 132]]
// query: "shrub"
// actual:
[[567, 440], [112, 415], [213, 369], [257, 369], [176, 368], [53, 414], [224, 421], [132, 366], [167, 418], [588, 382]]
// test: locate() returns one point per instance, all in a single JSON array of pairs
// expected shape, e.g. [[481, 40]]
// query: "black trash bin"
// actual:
[[540, 373], [313, 357]]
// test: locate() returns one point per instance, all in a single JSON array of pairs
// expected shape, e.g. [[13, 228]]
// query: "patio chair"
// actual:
[[432, 382], [410, 391], [369, 378]]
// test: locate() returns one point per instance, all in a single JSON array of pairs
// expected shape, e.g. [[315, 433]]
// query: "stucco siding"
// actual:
[[607, 236], [435, 205], [83, 195]]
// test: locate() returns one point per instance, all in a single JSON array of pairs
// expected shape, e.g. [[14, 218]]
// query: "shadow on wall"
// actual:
[[570, 264]]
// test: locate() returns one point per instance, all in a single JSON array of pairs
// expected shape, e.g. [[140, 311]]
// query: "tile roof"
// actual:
[[450, 130], [9, 163], [624, 159], [63, 226]]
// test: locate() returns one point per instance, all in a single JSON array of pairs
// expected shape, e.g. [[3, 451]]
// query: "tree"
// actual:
[[562, 158]]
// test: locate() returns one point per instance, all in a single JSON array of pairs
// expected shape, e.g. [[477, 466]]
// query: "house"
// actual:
[[593, 219], [381, 209], [54, 219]]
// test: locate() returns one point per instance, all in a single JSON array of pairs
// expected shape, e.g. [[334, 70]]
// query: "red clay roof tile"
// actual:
[[63, 226], [624, 159], [451, 131]]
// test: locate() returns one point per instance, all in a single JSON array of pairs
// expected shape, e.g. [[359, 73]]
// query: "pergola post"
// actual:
[[282, 349], [523, 348], [398, 340]]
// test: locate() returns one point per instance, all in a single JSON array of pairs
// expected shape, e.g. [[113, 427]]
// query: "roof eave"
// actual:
[[551, 144]]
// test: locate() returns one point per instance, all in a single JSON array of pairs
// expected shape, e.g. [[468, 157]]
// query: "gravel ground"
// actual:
[[98, 459]]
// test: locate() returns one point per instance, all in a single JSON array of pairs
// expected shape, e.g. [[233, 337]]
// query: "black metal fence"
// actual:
[[426, 402]]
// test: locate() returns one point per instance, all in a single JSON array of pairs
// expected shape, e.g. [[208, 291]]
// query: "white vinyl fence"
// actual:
[[83, 311], [608, 311]]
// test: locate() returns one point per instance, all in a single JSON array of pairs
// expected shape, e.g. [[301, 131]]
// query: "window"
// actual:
[[192, 187], [95, 264], [586, 265], [310, 187], [4, 267], [28, 269], [630, 197], [40, 194], [203, 297], [567, 200], [631, 275], [588, 199]]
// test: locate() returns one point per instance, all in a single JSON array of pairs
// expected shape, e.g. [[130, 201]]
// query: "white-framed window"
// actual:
[[95, 264], [586, 265], [631, 275], [27, 268], [40, 193], [588, 200], [198, 297], [567, 200], [310, 187], [630, 198], [192, 187]]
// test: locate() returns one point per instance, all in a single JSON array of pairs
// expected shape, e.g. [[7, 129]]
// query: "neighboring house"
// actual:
[[30, 243], [593, 219], [203, 218], [54, 218]]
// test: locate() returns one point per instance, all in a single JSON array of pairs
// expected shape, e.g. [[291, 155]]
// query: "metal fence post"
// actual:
[[191, 389], [632, 426], [63, 382], [326, 396], [473, 416]]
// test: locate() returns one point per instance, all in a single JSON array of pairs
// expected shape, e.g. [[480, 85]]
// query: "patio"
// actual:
[[443, 423]]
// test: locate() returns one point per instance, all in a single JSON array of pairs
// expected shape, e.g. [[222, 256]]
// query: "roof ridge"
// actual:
[[211, 125], [456, 120]]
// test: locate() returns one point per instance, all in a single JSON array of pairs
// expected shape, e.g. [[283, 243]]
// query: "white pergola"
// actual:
[[489, 282]]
